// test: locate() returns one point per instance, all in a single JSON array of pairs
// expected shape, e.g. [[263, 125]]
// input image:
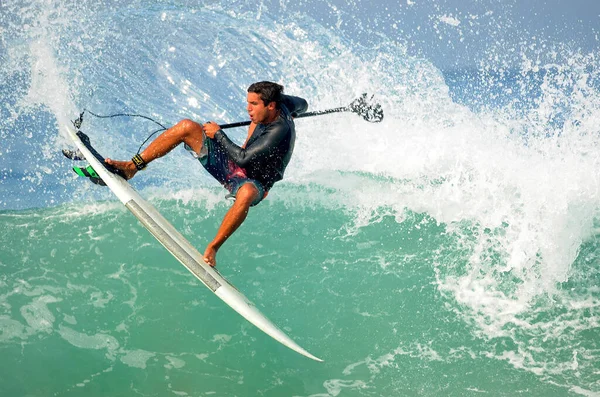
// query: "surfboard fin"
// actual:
[[73, 154], [89, 172]]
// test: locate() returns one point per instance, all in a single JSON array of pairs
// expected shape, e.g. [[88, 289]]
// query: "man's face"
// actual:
[[259, 113]]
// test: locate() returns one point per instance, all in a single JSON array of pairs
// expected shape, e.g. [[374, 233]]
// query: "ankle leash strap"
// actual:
[[139, 162]]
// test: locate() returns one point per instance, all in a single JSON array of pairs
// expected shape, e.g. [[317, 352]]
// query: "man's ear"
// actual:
[[272, 105]]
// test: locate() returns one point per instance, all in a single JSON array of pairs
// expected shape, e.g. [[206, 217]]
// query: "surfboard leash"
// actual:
[[79, 121]]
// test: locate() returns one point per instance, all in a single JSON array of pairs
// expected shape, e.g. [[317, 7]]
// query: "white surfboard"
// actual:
[[177, 245]]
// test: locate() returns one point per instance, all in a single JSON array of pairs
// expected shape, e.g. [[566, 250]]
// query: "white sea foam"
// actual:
[[137, 358], [38, 316], [98, 341]]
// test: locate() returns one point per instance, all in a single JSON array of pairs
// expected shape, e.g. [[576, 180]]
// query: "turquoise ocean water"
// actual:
[[452, 250]]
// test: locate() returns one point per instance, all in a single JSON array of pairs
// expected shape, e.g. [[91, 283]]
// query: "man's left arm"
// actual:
[[244, 156]]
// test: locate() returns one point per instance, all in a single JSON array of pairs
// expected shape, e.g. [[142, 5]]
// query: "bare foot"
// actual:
[[127, 167], [210, 256]]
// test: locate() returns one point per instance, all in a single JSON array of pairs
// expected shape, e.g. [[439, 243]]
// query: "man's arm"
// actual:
[[261, 147], [294, 104]]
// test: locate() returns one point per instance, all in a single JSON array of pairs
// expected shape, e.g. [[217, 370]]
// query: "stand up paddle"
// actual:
[[367, 109], [363, 106]]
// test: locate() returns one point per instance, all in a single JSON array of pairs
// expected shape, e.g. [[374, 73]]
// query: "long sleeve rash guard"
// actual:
[[269, 149]]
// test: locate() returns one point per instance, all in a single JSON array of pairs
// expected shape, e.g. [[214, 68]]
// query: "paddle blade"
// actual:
[[367, 109]]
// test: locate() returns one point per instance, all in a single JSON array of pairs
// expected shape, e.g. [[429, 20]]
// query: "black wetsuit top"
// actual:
[[270, 147]]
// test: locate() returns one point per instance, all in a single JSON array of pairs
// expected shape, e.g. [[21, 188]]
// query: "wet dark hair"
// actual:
[[268, 91]]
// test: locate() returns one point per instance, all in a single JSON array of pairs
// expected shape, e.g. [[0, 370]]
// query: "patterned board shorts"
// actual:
[[215, 160]]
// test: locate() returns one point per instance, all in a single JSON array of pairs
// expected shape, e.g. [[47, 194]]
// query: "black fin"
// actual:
[[97, 181]]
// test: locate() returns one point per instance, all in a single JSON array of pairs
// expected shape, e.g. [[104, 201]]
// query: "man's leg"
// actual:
[[186, 131], [236, 215]]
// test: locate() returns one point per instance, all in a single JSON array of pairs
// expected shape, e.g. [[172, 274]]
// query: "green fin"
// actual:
[[88, 172]]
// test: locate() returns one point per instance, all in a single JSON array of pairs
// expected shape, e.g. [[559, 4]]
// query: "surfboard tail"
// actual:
[[231, 296]]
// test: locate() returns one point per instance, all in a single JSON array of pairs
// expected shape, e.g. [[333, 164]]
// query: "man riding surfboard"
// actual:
[[249, 171]]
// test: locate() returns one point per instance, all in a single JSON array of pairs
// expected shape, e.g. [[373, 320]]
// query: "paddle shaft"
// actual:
[[308, 114]]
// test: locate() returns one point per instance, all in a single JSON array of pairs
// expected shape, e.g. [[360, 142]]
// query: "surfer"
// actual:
[[249, 171]]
